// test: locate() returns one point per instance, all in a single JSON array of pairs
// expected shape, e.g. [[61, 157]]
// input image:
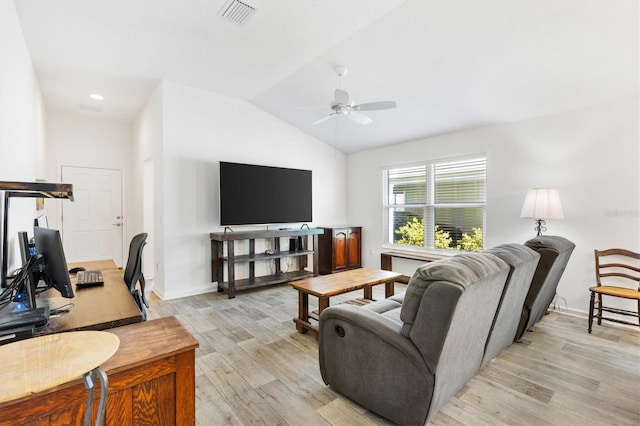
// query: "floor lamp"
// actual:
[[542, 204]]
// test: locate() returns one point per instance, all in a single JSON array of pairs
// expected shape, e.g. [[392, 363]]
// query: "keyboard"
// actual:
[[89, 279]]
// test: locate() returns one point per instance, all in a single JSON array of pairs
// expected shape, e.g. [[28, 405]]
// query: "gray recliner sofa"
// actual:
[[522, 262], [404, 357], [554, 255]]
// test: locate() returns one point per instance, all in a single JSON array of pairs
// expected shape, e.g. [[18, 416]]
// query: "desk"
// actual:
[[151, 381], [94, 308]]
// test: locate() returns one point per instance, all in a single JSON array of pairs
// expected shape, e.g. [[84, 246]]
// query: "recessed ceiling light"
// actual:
[[96, 96]]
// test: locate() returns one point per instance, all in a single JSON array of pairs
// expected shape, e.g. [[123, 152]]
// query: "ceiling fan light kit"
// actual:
[[344, 105]]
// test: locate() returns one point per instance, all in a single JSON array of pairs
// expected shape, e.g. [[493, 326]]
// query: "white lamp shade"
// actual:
[[542, 203]]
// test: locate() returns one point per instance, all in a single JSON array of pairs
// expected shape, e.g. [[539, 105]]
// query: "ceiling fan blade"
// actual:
[[341, 97], [375, 106], [323, 119], [359, 118]]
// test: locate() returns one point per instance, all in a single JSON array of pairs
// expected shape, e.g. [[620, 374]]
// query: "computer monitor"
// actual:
[[25, 249], [49, 245], [41, 221]]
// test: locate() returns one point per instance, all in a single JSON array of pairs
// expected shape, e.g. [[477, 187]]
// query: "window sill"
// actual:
[[428, 255]]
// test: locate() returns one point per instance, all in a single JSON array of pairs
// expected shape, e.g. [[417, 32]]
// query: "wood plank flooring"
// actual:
[[253, 368]]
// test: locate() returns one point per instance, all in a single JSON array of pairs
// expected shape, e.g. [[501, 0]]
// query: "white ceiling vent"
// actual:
[[236, 11]]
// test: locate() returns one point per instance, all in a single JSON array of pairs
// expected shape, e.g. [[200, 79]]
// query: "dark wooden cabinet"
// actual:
[[340, 249]]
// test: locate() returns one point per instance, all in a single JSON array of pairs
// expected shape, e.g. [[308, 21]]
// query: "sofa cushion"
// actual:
[[463, 270], [388, 308]]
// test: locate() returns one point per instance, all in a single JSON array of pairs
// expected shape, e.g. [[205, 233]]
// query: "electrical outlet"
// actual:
[[370, 252]]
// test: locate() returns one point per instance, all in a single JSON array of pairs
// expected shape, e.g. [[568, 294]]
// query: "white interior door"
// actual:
[[92, 224]]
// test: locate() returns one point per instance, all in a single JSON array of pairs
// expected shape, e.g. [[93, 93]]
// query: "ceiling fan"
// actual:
[[344, 105]]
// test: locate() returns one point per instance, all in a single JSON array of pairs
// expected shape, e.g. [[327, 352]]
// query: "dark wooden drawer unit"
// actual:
[[340, 249]]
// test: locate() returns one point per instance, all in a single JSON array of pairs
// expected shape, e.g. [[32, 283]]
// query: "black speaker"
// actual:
[[293, 244]]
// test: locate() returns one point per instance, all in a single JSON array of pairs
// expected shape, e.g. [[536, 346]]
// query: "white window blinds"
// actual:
[[436, 205]]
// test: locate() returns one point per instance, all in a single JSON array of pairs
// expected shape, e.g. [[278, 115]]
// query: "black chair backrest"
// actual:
[[133, 271], [134, 262]]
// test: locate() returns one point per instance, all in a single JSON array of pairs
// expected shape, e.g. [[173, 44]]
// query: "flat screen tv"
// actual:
[[252, 194]]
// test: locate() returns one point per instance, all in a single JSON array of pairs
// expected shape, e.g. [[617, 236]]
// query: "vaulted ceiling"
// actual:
[[449, 65]]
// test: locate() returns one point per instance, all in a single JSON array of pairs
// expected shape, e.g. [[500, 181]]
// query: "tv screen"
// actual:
[[253, 194]]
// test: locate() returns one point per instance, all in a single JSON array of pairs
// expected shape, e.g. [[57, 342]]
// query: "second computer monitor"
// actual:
[[49, 245]]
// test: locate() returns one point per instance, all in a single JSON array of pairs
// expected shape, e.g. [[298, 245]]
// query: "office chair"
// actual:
[[133, 272]]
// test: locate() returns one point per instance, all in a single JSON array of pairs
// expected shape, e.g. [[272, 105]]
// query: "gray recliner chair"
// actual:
[[522, 262], [554, 255], [404, 357]]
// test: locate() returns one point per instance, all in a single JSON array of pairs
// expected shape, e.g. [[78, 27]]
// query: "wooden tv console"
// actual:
[[218, 259]]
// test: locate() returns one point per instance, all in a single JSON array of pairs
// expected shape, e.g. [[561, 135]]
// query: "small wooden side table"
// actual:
[[34, 365]]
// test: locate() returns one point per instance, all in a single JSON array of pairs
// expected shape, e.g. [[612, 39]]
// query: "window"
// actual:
[[436, 205]]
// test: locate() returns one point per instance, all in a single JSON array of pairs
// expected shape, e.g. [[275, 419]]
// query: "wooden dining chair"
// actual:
[[620, 278]]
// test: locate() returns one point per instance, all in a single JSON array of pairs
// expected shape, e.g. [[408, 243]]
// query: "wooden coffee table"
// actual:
[[325, 286]]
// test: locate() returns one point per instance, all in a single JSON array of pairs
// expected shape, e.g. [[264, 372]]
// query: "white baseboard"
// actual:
[[585, 315], [207, 288]]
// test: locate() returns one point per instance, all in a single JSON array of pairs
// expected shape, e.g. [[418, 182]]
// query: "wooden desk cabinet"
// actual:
[[151, 382], [340, 249]]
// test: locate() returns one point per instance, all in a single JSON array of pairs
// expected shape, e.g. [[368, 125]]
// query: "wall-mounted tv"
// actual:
[[252, 194]]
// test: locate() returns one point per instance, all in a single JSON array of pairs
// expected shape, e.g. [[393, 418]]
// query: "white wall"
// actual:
[[83, 141], [591, 155], [148, 154], [200, 129], [21, 122]]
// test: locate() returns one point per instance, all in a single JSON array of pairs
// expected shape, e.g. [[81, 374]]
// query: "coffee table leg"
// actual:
[[368, 292], [323, 303], [303, 311], [389, 289]]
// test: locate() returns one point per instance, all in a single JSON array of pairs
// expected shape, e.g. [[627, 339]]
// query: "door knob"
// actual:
[[117, 224]]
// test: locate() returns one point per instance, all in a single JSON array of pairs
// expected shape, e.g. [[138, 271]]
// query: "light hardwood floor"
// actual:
[[252, 367]]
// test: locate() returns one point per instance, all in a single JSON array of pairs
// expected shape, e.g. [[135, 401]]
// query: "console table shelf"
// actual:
[[261, 256], [285, 277], [231, 259]]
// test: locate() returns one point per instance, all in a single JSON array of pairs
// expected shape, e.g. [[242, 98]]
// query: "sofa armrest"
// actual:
[[376, 325], [363, 355]]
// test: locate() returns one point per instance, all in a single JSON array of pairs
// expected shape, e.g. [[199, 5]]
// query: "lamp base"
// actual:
[[541, 226]]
